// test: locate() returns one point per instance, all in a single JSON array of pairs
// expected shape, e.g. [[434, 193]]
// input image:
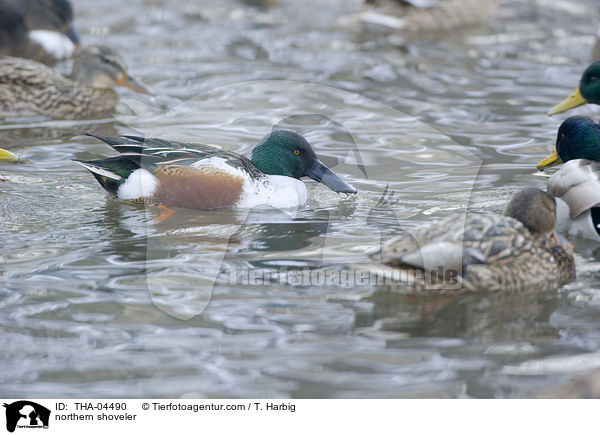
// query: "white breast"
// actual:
[[273, 191], [581, 226], [54, 43]]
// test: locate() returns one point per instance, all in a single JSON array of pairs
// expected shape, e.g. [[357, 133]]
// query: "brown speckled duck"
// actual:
[[37, 29], [485, 252], [31, 89], [426, 15]]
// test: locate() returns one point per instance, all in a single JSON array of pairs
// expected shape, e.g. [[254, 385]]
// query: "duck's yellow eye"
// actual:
[[296, 152]]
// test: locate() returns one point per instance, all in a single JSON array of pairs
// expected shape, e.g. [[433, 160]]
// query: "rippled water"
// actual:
[[98, 298]]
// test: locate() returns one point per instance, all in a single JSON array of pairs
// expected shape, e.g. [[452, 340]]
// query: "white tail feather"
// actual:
[[98, 170]]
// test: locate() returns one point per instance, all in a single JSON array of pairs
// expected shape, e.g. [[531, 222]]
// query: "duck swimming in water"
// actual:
[[577, 184], [203, 177], [31, 89], [37, 29], [427, 15], [485, 252]]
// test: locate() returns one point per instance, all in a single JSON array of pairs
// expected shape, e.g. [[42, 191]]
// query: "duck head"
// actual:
[[578, 138], [587, 92], [101, 67], [535, 209], [284, 152]]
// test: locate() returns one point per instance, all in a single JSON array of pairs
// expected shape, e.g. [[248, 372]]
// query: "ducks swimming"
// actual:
[[577, 184], [487, 252], [30, 89], [203, 177], [37, 29]]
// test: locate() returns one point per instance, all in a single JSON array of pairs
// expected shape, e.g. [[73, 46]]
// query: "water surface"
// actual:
[[98, 299]]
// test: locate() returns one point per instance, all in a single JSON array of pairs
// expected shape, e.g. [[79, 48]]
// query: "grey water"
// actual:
[[98, 298]]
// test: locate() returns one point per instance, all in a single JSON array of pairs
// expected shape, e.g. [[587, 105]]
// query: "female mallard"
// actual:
[[37, 29], [588, 91], [28, 88], [486, 252], [577, 184], [203, 177], [427, 15], [7, 156]]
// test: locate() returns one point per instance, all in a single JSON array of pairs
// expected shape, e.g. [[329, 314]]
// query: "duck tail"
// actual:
[[124, 144], [110, 172]]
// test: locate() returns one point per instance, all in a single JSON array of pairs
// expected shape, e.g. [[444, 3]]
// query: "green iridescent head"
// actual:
[[587, 92], [286, 153], [578, 138]]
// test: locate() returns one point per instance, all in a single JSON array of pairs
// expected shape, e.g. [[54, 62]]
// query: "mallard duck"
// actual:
[[578, 137], [427, 15], [7, 156], [485, 252], [37, 29], [588, 91], [204, 177], [28, 88], [576, 185]]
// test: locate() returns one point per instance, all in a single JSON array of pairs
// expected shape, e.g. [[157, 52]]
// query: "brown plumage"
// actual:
[[29, 88], [486, 252], [203, 189], [436, 15]]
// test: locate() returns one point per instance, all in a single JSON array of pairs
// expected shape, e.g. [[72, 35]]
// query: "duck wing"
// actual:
[[454, 245], [578, 184], [151, 153]]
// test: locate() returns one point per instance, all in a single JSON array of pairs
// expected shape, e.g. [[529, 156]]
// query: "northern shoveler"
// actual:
[[37, 29], [204, 177], [588, 91], [486, 252], [29, 88], [577, 183]]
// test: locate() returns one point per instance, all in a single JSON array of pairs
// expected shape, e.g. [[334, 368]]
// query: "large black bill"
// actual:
[[73, 36], [321, 173]]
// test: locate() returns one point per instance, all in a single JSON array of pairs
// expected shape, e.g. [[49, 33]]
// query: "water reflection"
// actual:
[[98, 298], [503, 317]]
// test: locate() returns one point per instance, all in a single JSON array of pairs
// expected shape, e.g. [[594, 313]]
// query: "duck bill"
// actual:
[[73, 36], [134, 84], [572, 101], [551, 160], [7, 156], [321, 173]]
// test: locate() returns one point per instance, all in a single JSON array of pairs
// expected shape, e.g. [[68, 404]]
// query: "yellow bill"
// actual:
[[572, 101], [7, 156], [132, 83], [551, 160]]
